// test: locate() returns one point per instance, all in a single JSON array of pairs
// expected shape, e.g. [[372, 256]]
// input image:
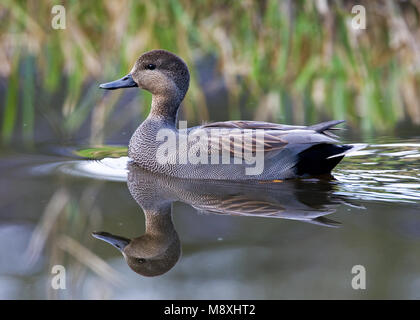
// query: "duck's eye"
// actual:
[[151, 66], [141, 260]]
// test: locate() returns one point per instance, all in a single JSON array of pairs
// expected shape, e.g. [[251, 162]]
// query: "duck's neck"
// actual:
[[159, 222], [165, 107], [163, 114]]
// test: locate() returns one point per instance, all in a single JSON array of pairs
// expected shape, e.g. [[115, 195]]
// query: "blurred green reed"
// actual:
[[291, 61]]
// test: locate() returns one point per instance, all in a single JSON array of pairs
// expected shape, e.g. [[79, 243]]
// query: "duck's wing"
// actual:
[[241, 124], [240, 205], [255, 136], [323, 127]]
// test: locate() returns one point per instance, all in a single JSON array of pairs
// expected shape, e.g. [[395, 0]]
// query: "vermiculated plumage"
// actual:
[[289, 151]]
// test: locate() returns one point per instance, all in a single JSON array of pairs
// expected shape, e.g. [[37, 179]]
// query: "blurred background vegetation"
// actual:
[[294, 62], [285, 61]]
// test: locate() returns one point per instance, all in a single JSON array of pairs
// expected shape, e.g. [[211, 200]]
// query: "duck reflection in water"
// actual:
[[159, 248]]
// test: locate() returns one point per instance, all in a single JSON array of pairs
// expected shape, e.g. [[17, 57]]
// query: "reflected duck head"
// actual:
[[148, 255]]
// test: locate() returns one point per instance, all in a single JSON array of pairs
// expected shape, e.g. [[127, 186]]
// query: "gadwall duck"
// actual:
[[286, 151]]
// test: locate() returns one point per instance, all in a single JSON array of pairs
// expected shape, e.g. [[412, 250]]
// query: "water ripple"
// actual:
[[380, 172], [394, 178]]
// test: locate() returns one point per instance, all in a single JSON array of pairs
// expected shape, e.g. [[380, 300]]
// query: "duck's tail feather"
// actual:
[[320, 159], [327, 125], [326, 128], [353, 148], [325, 222]]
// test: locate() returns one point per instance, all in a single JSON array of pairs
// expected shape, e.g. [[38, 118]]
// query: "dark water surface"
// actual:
[[293, 239]]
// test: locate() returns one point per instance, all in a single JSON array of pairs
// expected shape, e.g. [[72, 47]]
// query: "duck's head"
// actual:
[[148, 255], [160, 72]]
